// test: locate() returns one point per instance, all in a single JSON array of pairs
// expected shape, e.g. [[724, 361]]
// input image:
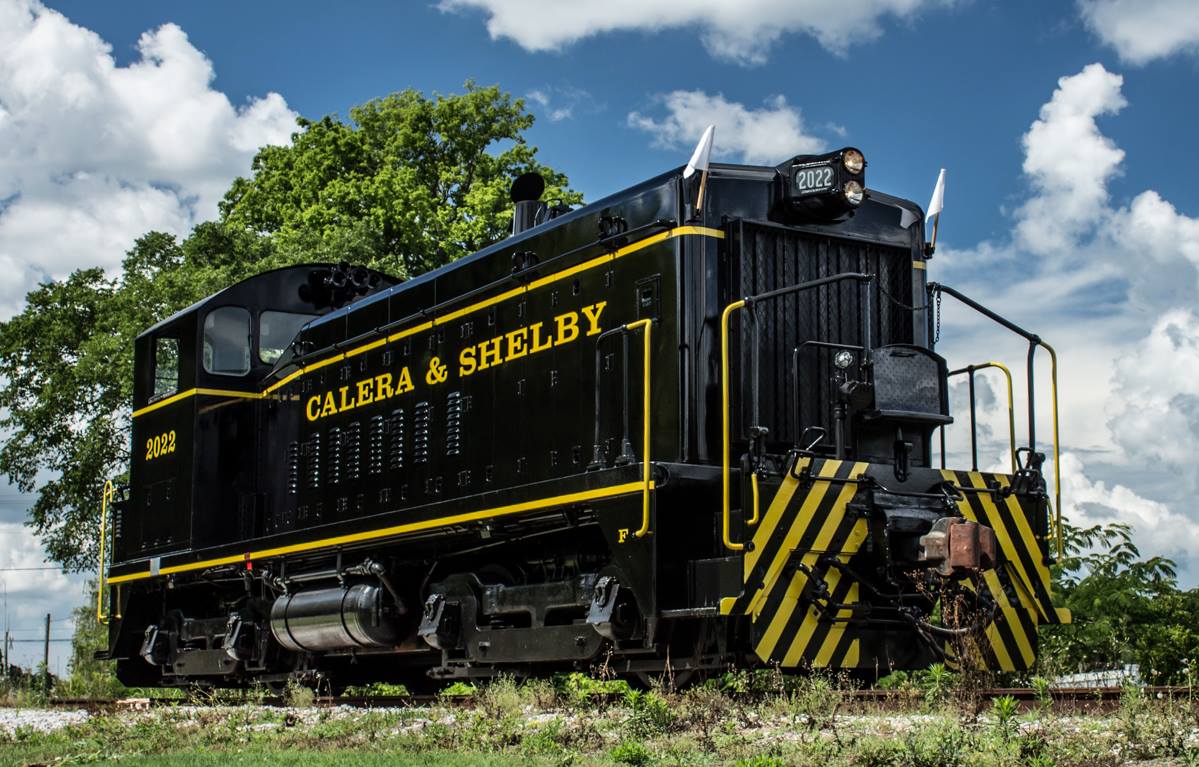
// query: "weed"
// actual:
[[1004, 709], [701, 709], [760, 760], [580, 690], [632, 753], [298, 695], [378, 690], [818, 697], [650, 713], [878, 752], [944, 744], [501, 698], [937, 683], [460, 690], [896, 680], [1044, 693]]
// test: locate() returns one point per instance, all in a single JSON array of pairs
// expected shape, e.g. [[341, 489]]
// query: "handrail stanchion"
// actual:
[[1033, 342], [106, 495], [1057, 463], [598, 456], [1011, 408], [726, 518], [726, 425], [648, 473]]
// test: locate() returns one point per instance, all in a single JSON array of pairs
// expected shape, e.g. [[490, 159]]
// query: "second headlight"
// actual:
[[853, 193]]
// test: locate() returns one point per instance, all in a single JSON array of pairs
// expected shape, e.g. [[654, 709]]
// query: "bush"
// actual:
[[761, 760], [501, 698], [632, 753], [580, 690], [298, 695], [650, 713], [460, 690]]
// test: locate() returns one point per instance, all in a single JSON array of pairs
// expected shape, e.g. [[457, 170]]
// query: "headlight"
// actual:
[[843, 359], [853, 193], [854, 161], [821, 187]]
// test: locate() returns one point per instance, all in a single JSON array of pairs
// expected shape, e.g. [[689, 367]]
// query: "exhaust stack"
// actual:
[[526, 194]]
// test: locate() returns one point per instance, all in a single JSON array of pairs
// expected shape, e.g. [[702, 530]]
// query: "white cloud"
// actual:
[[93, 154], [563, 103], [1068, 160], [1144, 30], [1155, 395], [1158, 529], [1159, 247], [742, 31], [1112, 286], [766, 135]]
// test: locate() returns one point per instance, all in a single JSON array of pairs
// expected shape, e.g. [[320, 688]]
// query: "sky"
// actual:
[[1064, 128]]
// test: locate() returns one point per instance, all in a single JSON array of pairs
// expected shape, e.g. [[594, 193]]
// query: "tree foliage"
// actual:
[[1127, 609], [407, 184]]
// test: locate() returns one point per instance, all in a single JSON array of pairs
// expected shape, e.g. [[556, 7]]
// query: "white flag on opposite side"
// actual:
[[937, 203]]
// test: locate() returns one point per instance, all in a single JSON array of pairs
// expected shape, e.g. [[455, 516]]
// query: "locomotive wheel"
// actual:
[[495, 575]]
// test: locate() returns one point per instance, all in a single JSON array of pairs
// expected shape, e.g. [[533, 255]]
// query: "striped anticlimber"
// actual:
[[805, 521], [1020, 583], [799, 595]]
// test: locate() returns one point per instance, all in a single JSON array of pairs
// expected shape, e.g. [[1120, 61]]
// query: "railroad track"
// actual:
[[1060, 698]]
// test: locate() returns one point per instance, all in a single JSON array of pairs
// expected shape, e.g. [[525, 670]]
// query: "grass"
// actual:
[[763, 720], [292, 757]]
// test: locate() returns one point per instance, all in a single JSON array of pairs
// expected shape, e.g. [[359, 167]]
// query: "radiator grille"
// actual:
[[767, 257], [422, 421], [395, 433], [375, 447]]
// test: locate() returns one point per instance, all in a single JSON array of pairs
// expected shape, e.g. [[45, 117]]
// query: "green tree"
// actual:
[[1127, 609], [413, 183], [409, 183]]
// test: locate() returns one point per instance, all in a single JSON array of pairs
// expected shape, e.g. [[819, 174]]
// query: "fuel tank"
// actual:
[[334, 619]]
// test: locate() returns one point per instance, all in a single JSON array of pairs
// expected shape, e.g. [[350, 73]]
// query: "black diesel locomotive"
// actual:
[[687, 427]]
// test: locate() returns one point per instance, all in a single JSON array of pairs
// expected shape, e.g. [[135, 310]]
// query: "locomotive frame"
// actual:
[[643, 433]]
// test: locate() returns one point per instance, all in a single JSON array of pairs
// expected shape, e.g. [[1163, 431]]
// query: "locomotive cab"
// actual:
[[196, 375]]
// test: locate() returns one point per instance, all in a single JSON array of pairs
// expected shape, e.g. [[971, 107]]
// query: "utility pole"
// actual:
[[46, 656]]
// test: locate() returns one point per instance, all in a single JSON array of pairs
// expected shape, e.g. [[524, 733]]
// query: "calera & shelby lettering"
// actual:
[[524, 341], [530, 339]]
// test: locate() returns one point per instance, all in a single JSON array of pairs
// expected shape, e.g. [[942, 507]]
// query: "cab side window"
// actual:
[[276, 331], [166, 368], [227, 341]]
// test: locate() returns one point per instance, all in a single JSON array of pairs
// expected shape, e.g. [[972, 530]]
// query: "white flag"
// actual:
[[703, 151], [937, 203]]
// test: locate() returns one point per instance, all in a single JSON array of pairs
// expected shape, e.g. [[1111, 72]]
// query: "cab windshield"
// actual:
[[276, 331]]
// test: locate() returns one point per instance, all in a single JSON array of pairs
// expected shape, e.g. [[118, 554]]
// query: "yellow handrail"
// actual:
[[647, 476], [106, 495], [724, 411], [1057, 463], [753, 483], [1011, 407]]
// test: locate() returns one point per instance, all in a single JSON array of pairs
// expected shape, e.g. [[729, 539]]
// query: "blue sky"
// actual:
[[1083, 228], [947, 86]]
